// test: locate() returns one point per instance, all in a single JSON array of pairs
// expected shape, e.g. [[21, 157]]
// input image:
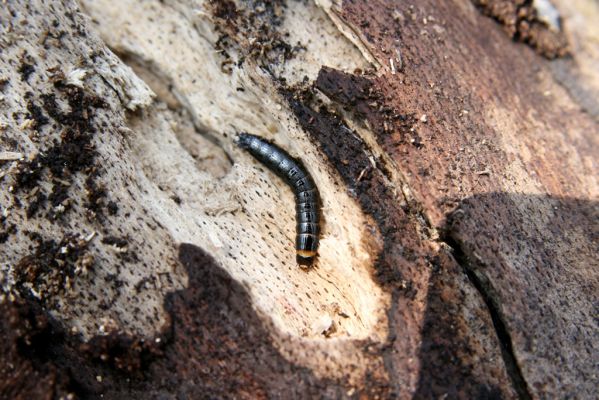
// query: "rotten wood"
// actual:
[[145, 256]]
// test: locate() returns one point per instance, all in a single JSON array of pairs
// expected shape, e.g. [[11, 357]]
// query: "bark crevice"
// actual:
[[484, 287]]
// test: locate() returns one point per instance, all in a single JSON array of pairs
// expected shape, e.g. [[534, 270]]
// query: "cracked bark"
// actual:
[[144, 255], [492, 302]]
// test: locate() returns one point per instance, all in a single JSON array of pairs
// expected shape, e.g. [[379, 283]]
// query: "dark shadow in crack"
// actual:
[[533, 259]]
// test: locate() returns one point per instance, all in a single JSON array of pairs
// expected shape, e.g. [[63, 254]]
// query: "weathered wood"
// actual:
[[500, 147], [144, 255]]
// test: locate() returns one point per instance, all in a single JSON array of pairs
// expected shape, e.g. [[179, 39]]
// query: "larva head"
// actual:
[[244, 140]]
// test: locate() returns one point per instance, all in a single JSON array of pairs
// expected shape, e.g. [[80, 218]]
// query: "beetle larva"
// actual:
[[307, 207]]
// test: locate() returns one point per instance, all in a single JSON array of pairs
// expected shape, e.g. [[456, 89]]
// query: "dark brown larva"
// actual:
[[307, 207]]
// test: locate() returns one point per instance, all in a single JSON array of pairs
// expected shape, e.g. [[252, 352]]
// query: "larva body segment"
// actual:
[[307, 205]]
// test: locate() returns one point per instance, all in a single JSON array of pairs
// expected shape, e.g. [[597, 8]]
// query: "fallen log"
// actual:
[[145, 255]]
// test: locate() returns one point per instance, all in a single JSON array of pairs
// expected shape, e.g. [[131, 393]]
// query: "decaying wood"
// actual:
[[145, 255]]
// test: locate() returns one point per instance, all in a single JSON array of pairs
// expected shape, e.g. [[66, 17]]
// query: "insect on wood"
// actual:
[[307, 208]]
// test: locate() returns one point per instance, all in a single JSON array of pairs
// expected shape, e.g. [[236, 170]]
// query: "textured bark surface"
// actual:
[[504, 165], [144, 255]]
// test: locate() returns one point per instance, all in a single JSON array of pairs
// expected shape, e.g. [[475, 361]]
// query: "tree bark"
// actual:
[[454, 146]]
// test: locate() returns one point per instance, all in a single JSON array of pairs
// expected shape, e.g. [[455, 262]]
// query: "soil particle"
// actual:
[[35, 113], [26, 69], [112, 208], [96, 195], [115, 241], [255, 20], [53, 267], [225, 10], [28, 174], [35, 202], [73, 152], [522, 23]]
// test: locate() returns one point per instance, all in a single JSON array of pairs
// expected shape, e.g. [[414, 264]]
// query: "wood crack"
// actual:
[[484, 287]]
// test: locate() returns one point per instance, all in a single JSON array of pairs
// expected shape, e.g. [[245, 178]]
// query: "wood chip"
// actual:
[[10, 156]]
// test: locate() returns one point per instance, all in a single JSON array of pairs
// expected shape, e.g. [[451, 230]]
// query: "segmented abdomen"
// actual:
[[306, 194]]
